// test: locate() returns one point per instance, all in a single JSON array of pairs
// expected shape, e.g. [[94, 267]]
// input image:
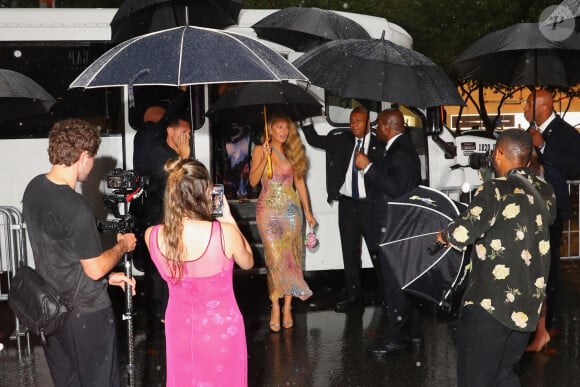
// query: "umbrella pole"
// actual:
[[533, 123], [269, 171], [191, 122]]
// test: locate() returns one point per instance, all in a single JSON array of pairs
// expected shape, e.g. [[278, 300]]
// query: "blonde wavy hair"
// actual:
[[293, 147], [186, 196]]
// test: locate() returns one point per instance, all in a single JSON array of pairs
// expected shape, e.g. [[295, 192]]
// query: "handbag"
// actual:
[[37, 304]]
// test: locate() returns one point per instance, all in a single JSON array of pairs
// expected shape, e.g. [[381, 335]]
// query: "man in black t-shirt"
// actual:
[[68, 254]]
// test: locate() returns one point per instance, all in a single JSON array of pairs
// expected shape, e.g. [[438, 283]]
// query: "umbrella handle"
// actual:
[[269, 172]]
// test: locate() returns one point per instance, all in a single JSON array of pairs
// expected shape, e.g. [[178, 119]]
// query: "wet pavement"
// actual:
[[325, 348]]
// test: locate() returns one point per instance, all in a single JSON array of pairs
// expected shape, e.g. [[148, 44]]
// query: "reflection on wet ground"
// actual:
[[326, 348]]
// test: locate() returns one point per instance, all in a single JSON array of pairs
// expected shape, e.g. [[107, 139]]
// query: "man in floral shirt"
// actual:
[[509, 265]]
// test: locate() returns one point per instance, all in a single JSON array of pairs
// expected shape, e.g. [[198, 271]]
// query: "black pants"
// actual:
[[84, 351], [354, 224], [487, 350], [554, 277], [404, 314]]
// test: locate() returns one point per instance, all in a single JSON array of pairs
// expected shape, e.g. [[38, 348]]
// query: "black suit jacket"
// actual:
[[339, 145], [560, 159], [395, 174]]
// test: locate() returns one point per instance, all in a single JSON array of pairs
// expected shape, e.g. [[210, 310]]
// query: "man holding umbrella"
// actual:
[[395, 174], [507, 220], [557, 144], [345, 183]]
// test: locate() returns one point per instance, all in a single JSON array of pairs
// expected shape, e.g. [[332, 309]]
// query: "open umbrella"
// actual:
[[521, 55], [245, 103], [187, 56], [378, 70], [15, 85], [302, 28], [138, 17], [411, 225]]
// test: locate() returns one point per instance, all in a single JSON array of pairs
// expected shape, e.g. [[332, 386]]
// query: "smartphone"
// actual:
[[217, 200]]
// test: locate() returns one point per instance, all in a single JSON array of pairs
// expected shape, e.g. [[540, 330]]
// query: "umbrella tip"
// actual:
[[186, 16], [383, 35]]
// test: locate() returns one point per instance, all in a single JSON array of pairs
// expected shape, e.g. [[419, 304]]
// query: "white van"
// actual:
[[53, 46]]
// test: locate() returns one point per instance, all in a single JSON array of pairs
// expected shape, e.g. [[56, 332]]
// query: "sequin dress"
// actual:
[[204, 329], [279, 220]]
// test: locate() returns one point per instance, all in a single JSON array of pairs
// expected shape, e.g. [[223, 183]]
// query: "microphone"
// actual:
[[435, 248]]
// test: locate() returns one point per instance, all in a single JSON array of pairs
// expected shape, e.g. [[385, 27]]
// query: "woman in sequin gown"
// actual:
[[204, 329], [279, 215]]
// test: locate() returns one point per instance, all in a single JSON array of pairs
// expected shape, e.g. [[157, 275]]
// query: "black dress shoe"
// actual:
[[385, 347], [349, 305]]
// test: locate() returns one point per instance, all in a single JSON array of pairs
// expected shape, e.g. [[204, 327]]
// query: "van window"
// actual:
[[338, 108], [54, 65]]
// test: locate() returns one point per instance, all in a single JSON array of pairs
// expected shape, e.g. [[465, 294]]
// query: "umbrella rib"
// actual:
[[444, 196], [409, 238], [180, 57], [423, 207]]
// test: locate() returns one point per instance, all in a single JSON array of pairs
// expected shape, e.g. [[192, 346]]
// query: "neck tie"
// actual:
[[355, 172]]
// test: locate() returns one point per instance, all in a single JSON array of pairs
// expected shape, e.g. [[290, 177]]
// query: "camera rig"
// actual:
[[125, 186]]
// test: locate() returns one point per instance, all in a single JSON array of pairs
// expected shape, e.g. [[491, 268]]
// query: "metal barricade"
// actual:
[[570, 235], [13, 253]]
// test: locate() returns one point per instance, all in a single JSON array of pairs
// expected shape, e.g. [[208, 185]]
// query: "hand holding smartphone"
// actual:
[[217, 200]]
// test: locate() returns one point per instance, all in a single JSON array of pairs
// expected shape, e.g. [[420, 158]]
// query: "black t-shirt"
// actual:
[[62, 231]]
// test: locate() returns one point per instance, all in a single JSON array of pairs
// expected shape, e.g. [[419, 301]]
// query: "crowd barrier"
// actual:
[[13, 253]]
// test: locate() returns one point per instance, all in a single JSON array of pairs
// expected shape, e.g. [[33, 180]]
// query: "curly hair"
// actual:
[[69, 138], [186, 196], [293, 147]]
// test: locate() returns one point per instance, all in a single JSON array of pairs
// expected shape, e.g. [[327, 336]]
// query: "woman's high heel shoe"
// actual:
[[288, 321], [274, 323]]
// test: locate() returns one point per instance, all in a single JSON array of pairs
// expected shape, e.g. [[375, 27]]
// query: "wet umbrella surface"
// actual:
[[303, 28], [409, 234], [378, 70], [138, 17], [245, 103], [522, 55], [187, 56]]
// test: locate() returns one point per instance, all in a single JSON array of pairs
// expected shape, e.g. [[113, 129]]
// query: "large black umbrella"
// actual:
[[378, 70], [411, 225], [302, 28], [138, 17], [244, 104], [521, 55], [187, 56], [15, 85]]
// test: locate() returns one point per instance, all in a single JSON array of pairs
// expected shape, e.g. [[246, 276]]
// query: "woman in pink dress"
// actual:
[[279, 215], [204, 329]]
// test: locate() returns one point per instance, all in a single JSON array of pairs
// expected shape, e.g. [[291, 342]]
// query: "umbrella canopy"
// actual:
[[378, 70], [138, 17], [303, 28], [187, 56], [244, 104], [521, 55], [411, 225], [16, 85]]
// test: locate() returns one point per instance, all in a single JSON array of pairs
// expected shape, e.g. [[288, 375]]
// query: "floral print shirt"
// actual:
[[511, 255]]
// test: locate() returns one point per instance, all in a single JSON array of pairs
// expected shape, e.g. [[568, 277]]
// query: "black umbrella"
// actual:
[[302, 28], [244, 104], [138, 17], [378, 70], [187, 56], [15, 85], [521, 55], [411, 225]]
